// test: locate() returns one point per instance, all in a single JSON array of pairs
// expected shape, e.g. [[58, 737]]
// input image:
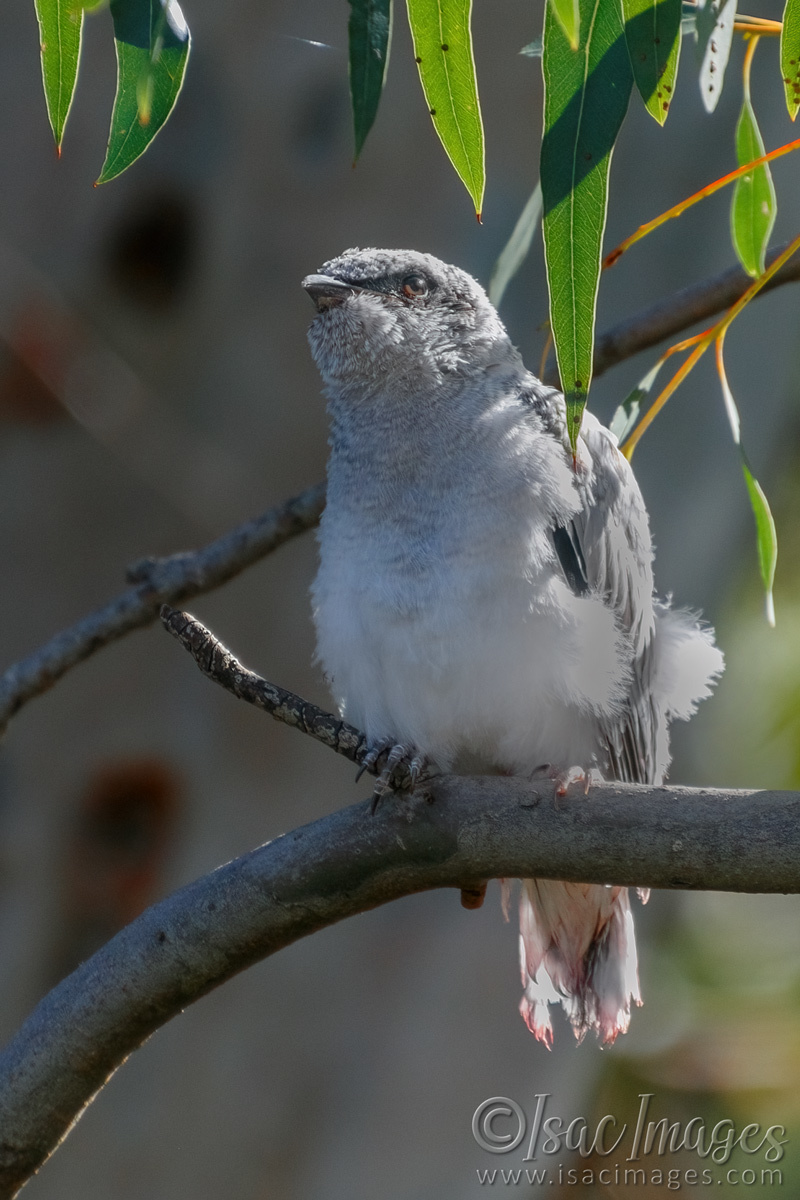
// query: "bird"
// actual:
[[484, 600]]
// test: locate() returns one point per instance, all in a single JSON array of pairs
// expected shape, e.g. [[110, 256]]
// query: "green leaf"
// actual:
[[568, 15], [766, 536], [790, 55], [714, 32], [627, 414], [152, 41], [443, 51], [370, 36], [516, 248], [586, 94], [753, 205], [653, 34], [60, 30]]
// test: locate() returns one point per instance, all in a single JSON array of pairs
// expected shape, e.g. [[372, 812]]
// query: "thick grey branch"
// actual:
[[157, 581], [458, 831]]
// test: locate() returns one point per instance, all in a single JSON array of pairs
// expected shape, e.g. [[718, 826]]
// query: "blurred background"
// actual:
[[155, 389]]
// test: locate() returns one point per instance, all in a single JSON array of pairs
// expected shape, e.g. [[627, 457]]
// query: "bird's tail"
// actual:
[[577, 948]]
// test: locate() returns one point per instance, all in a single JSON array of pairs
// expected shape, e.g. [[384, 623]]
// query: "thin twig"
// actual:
[[157, 581], [217, 662], [458, 831]]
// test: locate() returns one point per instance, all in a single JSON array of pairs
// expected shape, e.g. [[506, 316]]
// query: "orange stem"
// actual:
[[702, 341], [708, 190]]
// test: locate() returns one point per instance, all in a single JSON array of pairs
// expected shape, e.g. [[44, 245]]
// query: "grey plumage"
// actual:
[[484, 600]]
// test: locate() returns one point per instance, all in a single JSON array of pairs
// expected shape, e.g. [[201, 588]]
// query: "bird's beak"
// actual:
[[327, 292]]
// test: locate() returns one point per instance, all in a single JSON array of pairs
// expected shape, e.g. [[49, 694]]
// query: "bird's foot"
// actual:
[[404, 768], [562, 778], [371, 757]]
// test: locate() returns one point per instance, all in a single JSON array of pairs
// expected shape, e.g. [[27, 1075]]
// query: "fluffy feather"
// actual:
[[453, 617]]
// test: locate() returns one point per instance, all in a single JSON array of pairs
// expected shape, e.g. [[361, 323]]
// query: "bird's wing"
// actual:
[[607, 550]]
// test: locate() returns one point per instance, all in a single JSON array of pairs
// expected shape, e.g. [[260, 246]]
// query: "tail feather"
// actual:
[[577, 948]]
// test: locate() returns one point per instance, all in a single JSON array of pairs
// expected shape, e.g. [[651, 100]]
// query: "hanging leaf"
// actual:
[[370, 36], [60, 31], [790, 55], [567, 13], [653, 34], [714, 30], [516, 248], [627, 414], [586, 94], [152, 42], [443, 50], [753, 205], [766, 534]]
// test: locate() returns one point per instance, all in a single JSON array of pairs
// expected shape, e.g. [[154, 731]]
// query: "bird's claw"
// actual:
[[400, 755], [416, 769], [563, 778], [372, 756]]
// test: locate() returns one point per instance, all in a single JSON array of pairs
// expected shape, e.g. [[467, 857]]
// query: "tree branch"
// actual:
[[217, 662], [457, 831], [181, 576], [680, 311], [157, 581], [453, 832]]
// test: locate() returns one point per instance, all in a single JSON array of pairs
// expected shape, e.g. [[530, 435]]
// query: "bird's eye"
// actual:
[[415, 286]]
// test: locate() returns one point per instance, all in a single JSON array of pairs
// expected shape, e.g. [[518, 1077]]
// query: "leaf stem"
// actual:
[[678, 209], [702, 342]]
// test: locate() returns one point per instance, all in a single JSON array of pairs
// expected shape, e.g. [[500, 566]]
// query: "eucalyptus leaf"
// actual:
[[790, 55], [627, 414], [152, 42], [517, 247], [370, 36], [766, 536], [753, 204], [653, 33], [586, 95], [567, 13], [442, 38], [766, 533], [60, 32], [714, 32]]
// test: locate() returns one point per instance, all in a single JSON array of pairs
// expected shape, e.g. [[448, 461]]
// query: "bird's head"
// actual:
[[399, 316]]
